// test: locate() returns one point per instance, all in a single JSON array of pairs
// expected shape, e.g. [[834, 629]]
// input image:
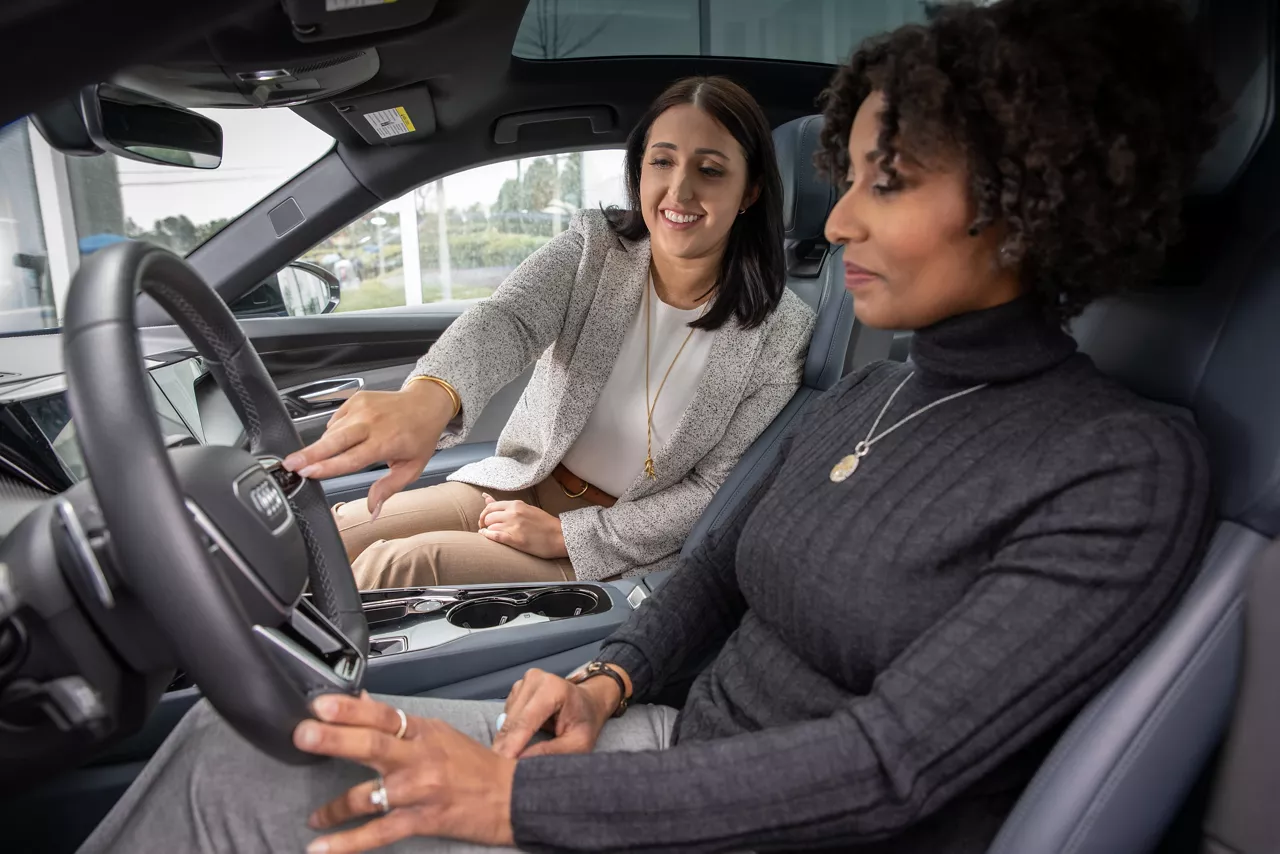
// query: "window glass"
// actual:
[[798, 30], [463, 234], [54, 209]]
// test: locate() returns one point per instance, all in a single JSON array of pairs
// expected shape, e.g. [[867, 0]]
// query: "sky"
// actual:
[[262, 149]]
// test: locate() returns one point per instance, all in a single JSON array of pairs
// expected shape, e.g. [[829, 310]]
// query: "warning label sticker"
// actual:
[[342, 5], [389, 123]]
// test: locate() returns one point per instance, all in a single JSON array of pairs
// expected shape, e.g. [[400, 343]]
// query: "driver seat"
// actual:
[[1121, 774]]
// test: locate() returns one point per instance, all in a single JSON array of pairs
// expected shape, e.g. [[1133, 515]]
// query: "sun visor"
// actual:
[[1238, 40], [391, 118]]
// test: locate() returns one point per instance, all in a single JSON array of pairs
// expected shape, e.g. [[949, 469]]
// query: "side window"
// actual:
[[454, 240]]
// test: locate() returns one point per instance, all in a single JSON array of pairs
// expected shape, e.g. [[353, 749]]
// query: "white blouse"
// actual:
[[610, 451]]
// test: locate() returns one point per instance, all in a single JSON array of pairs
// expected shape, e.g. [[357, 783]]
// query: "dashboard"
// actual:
[[38, 434]]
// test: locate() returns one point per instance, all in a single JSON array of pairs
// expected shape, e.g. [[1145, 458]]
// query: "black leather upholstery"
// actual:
[[817, 276], [806, 196], [1126, 765]]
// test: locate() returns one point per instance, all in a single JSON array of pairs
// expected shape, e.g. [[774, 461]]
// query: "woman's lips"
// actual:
[[857, 277], [674, 222]]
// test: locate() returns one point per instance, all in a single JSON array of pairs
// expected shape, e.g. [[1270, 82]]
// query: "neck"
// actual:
[[1005, 343], [684, 282]]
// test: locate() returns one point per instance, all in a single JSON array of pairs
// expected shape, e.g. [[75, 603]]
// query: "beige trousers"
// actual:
[[430, 537]]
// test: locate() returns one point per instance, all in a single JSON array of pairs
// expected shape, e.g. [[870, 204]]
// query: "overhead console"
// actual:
[[288, 54]]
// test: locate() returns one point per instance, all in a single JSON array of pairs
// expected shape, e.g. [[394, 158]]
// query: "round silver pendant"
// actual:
[[842, 470]]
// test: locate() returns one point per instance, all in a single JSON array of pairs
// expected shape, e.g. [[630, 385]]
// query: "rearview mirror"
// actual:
[[140, 127]]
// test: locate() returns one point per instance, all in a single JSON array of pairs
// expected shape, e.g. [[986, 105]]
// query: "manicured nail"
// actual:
[[502, 719], [293, 462], [377, 511], [318, 847], [487, 496], [325, 707], [307, 734], [309, 471]]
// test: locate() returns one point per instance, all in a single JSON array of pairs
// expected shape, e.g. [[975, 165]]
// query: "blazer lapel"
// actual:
[[623, 277], [729, 365]]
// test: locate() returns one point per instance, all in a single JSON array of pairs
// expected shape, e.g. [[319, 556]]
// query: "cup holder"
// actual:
[[563, 603], [483, 614], [491, 612]]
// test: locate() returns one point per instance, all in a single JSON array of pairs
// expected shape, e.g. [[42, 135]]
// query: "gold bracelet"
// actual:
[[444, 384]]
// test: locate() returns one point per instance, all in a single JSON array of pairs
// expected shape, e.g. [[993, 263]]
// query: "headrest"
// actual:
[[1213, 350], [807, 197], [1237, 39]]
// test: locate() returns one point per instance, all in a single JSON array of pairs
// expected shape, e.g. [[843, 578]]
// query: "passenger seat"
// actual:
[[815, 274]]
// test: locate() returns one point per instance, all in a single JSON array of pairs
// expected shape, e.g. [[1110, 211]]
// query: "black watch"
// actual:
[[599, 668]]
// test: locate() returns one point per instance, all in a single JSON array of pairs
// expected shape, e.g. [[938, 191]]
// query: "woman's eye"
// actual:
[[711, 172], [884, 189], [660, 162]]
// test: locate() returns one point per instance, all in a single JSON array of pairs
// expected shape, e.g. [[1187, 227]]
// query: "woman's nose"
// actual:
[[681, 189], [844, 224]]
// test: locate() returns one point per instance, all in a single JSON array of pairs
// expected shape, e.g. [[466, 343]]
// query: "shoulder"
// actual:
[[592, 228], [789, 328]]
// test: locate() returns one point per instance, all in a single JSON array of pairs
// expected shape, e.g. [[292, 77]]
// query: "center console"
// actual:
[[473, 642]]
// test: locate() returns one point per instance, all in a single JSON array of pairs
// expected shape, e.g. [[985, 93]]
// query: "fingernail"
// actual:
[[318, 847], [501, 721], [487, 495], [377, 511], [313, 821], [324, 707], [294, 461], [309, 471], [307, 734]]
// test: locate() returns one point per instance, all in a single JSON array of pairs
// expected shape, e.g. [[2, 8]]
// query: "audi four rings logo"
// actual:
[[268, 498]]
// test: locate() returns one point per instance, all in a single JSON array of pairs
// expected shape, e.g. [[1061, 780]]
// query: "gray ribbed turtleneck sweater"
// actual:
[[899, 649]]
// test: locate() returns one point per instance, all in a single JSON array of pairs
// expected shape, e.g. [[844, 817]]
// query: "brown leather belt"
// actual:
[[576, 487]]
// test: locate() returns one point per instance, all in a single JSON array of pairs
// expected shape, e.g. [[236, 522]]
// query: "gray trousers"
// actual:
[[208, 790]]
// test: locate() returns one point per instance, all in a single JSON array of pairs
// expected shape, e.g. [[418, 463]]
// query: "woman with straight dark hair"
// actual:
[[665, 342]]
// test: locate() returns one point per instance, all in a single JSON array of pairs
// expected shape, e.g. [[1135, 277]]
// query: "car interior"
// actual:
[[101, 650]]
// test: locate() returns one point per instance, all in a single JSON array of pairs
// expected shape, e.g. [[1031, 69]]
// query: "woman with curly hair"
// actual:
[[948, 558]]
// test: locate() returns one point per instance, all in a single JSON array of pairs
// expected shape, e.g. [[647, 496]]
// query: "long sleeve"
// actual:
[[492, 342], [632, 533], [1068, 593]]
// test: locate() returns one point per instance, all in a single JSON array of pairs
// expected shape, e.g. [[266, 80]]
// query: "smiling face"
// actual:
[[909, 258], [693, 182]]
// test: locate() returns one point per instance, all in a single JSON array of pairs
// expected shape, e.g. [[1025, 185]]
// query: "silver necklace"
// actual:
[[844, 469]]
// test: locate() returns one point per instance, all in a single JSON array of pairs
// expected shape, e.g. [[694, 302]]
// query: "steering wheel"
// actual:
[[218, 544]]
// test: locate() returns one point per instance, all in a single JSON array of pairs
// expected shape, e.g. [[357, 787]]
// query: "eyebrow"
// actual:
[[674, 147]]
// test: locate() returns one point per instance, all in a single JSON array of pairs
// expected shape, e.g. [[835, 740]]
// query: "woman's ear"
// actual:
[[749, 198]]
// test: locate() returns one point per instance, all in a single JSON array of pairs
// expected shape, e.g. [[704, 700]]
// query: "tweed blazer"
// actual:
[[568, 307]]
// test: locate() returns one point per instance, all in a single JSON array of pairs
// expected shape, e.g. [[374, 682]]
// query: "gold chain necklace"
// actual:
[[651, 406]]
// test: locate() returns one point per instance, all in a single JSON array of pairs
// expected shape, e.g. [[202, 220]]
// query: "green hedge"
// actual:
[[484, 249]]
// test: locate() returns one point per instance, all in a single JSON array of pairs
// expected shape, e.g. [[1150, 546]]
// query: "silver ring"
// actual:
[[404, 723], [378, 797]]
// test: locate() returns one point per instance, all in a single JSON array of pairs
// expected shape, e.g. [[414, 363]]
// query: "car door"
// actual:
[[403, 272]]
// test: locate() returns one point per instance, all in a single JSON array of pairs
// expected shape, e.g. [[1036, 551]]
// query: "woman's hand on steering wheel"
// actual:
[[574, 715], [400, 428], [435, 780]]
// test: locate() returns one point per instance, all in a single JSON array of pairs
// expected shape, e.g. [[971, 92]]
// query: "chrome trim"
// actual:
[[331, 391], [84, 552], [314, 416], [221, 542], [636, 597]]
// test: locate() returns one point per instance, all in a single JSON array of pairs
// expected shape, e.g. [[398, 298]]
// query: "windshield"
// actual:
[[55, 209]]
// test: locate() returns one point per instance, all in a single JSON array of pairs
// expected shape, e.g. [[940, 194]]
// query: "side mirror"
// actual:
[[301, 289], [140, 127]]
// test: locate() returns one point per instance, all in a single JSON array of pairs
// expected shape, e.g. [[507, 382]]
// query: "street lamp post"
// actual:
[[378, 222]]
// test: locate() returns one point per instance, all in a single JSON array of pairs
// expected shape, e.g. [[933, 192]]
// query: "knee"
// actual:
[[407, 562]]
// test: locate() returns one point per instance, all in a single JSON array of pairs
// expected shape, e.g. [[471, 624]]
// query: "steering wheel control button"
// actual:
[[289, 482], [259, 492]]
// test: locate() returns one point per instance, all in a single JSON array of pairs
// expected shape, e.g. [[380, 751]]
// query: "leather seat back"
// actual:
[[1123, 770], [815, 273]]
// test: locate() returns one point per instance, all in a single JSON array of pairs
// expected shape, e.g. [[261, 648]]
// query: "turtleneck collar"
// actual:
[[995, 345]]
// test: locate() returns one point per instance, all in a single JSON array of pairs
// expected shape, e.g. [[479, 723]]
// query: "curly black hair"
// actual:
[[1082, 122]]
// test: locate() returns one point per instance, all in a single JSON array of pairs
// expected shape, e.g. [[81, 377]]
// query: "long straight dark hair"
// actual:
[[753, 270]]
